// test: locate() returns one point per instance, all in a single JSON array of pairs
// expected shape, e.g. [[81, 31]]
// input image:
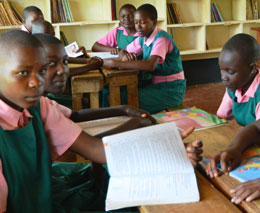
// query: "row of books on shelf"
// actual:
[[215, 14], [61, 11], [173, 15], [8, 14], [252, 11]]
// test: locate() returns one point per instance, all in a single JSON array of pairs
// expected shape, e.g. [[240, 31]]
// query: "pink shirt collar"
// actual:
[[251, 90], [24, 29], [10, 116], [125, 33], [148, 41]]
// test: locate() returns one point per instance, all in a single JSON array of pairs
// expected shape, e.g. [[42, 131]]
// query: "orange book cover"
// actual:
[[9, 12]]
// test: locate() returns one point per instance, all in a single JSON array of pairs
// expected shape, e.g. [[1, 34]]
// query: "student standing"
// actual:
[[162, 84]]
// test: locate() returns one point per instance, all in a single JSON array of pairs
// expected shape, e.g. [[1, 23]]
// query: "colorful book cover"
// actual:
[[249, 168], [186, 118]]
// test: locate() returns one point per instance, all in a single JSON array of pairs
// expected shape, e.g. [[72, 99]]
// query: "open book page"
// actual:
[[103, 55], [154, 158], [101, 125]]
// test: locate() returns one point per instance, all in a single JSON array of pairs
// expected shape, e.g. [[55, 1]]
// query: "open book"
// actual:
[[185, 118], [149, 166], [103, 55], [249, 168]]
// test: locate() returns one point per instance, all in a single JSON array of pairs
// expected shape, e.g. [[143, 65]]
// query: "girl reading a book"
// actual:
[[162, 84], [238, 63], [239, 72], [121, 36]]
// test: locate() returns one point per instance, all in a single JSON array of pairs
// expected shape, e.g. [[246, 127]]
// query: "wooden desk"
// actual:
[[91, 82], [211, 200], [217, 139], [117, 78]]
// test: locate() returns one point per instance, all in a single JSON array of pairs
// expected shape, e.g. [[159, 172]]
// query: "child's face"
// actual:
[[143, 24], [235, 74], [31, 18], [126, 18], [58, 70], [22, 76]]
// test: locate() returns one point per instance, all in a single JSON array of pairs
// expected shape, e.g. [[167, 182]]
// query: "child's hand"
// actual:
[[194, 151], [114, 51], [81, 49], [228, 159], [96, 61], [187, 132], [248, 191], [129, 57], [136, 112]]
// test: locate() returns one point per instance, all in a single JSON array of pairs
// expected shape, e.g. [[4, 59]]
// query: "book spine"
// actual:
[[173, 14], [213, 13], [4, 15], [17, 15], [177, 13], [219, 14], [170, 14], [9, 12]]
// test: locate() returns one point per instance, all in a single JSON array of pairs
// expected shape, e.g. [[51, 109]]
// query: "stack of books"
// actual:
[[215, 14], [8, 15], [60, 11], [173, 15]]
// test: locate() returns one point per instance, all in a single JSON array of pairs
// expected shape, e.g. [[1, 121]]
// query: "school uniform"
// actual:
[[165, 86], [118, 37], [30, 141], [244, 108]]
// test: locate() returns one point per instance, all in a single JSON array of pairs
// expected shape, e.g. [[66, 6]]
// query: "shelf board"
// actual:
[[225, 23], [82, 23], [215, 50], [10, 27], [191, 51], [185, 25]]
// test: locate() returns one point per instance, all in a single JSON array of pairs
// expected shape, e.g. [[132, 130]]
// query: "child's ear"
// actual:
[[254, 68]]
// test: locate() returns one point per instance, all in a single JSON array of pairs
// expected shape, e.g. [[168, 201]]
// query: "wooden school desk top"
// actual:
[[211, 200], [217, 139]]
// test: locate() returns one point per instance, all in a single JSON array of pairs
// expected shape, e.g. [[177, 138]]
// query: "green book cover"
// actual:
[[185, 118]]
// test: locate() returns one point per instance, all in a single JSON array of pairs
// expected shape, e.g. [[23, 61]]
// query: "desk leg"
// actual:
[[114, 95], [77, 101], [94, 100], [132, 95]]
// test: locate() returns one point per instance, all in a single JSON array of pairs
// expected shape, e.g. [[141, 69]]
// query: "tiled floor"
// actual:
[[205, 96]]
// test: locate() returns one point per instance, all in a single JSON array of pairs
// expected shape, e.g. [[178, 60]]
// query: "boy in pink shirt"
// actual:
[[30, 14], [33, 133]]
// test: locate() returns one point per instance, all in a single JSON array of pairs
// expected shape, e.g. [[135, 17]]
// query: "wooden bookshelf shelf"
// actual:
[[93, 19]]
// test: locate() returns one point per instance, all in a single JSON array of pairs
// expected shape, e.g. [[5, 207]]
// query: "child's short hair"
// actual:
[[41, 26], [150, 10], [245, 45], [29, 9], [127, 6], [47, 39], [17, 38]]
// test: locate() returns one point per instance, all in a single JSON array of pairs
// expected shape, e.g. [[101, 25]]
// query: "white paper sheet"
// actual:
[[103, 55]]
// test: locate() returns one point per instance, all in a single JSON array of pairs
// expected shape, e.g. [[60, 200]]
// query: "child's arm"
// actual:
[[102, 48], [245, 137], [89, 147], [91, 64], [144, 65], [94, 114]]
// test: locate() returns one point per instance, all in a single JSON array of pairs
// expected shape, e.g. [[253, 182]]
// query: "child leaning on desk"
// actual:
[[238, 63], [34, 133], [121, 36], [162, 82]]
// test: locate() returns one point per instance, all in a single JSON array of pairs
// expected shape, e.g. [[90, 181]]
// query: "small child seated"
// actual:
[[34, 133], [121, 36], [31, 14], [239, 72]]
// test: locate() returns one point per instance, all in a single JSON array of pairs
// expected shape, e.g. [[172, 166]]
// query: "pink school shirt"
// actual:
[[64, 110], [110, 39], [61, 133], [161, 47], [225, 108]]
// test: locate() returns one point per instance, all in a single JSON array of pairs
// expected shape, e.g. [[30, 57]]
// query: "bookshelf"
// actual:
[[197, 37]]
